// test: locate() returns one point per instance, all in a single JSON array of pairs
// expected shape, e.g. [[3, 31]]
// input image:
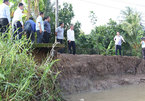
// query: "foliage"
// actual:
[[100, 40], [20, 77], [93, 18], [134, 31]]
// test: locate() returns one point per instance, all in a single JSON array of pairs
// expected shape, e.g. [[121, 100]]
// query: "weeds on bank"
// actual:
[[20, 78]]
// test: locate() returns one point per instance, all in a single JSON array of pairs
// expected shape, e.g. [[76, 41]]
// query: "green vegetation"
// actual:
[[21, 78], [100, 40], [47, 45]]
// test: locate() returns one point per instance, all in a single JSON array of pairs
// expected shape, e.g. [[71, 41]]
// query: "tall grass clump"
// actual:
[[20, 78]]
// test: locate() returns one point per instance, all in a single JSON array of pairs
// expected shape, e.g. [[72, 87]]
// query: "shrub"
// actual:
[[20, 78]]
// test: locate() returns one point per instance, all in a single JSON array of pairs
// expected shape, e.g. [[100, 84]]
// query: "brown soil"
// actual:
[[40, 54], [81, 73]]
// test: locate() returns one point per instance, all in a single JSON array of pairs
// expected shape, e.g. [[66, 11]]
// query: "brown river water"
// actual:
[[125, 93]]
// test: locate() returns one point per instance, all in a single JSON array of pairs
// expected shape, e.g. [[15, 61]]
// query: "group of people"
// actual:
[[42, 27]]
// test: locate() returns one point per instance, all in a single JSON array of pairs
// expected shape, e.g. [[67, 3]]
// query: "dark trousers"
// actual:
[[72, 46], [31, 35], [143, 53], [46, 37], [39, 36], [60, 40], [4, 25], [118, 47], [18, 31]]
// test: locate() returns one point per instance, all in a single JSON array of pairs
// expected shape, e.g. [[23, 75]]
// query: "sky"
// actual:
[[104, 10]]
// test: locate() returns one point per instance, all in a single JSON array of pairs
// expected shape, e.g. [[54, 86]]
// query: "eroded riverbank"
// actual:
[[83, 73], [80, 74]]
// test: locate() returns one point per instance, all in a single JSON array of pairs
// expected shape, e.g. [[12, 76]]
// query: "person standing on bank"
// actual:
[[17, 22], [71, 40], [143, 47], [60, 33], [30, 29], [118, 41], [40, 27], [4, 16], [47, 30]]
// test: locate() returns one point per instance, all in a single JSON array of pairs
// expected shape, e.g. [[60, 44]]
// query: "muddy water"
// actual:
[[127, 93]]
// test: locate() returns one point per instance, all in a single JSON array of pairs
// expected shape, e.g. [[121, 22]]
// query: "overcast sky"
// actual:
[[104, 10]]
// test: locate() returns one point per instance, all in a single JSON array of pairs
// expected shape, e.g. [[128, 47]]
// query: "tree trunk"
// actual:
[[36, 8], [29, 9]]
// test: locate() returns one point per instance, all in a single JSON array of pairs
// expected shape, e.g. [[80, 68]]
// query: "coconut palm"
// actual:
[[131, 24]]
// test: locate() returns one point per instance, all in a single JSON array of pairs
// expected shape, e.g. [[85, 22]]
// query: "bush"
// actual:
[[20, 78]]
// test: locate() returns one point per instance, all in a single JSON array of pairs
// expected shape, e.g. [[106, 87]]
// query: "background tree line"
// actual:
[[100, 40]]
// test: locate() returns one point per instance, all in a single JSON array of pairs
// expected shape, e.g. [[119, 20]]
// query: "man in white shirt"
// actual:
[[60, 33], [143, 47], [40, 27], [17, 22], [71, 40], [118, 42], [4, 16]]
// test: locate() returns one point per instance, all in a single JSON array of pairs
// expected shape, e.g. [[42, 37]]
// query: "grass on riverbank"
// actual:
[[20, 78]]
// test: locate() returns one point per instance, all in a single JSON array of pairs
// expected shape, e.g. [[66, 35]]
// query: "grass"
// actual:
[[20, 78]]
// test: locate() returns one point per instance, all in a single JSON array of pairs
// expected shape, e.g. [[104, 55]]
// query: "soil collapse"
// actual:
[[81, 73]]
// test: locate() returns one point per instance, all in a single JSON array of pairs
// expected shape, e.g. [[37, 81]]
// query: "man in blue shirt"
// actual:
[[31, 33], [59, 32], [47, 30]]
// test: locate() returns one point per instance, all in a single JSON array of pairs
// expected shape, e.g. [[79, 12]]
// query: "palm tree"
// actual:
[[131, 24]]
